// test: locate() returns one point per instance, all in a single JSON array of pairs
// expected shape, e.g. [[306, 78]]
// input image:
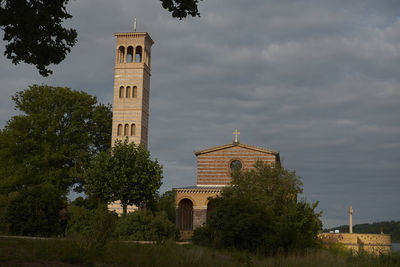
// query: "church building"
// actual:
[[214, 166]]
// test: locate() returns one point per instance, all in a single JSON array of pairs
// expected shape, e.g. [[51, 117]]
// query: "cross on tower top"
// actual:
[[236, 133]]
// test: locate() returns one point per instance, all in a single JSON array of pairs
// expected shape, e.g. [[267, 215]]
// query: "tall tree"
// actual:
[[54, 139], [35, 35], [126, 174]]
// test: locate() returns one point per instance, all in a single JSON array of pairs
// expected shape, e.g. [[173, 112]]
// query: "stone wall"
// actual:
[[371, 243]]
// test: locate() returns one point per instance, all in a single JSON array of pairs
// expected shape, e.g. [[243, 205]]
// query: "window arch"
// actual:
[[128, 92], [126, 130], [121, 92], [134, 92], [138, 54], [129, 54], [119, 130], [236, 165], [121, 54], [133, 129]]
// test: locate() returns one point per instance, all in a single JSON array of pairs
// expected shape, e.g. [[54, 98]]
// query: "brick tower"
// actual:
[[131, 87]]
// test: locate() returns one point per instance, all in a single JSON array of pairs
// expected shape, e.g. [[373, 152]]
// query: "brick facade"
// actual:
[[213, 165]]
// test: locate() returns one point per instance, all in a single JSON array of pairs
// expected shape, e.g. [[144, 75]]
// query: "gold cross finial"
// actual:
[[236, 133], [134, 24]]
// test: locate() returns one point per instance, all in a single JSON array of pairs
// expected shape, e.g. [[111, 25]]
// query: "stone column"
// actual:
[[350, 219]]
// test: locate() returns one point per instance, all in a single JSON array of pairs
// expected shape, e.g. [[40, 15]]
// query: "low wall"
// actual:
[[371, 243]]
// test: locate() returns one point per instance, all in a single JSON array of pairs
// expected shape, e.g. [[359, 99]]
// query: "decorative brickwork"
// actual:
[[214, 164]]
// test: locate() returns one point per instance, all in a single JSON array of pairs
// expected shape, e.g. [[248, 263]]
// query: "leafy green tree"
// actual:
[[35, 35], [34, 32], [166, 203], [53, 139], [34, 211], [126, 174], [261, 212]]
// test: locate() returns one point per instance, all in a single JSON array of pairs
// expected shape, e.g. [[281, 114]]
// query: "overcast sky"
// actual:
[[318, 81]]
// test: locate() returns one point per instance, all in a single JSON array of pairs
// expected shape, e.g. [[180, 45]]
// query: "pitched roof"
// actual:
[[256, 148]]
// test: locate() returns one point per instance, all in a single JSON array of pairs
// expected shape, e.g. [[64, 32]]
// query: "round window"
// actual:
[[236, 165]]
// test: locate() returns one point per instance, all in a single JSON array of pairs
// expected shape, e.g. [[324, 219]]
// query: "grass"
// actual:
[[61, 252]]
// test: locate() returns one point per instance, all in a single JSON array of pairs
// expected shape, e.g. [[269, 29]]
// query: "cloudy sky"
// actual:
[[318, 81]]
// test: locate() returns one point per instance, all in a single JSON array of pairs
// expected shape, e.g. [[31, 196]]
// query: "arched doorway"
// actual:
[[185, 215]]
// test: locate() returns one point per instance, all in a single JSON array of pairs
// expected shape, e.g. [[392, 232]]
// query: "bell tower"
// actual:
[[131, 87]]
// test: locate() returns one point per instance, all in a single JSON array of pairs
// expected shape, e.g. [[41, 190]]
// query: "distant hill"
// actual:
[[392, 228]]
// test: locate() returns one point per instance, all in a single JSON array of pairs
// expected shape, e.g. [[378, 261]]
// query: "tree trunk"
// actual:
[[124, 208]]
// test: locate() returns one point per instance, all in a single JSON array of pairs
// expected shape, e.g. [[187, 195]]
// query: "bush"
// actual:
[[34, 211], [90, 229], [260, 212], [143, 225]]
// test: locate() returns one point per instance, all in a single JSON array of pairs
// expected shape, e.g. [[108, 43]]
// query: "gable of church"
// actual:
[[214, 164]]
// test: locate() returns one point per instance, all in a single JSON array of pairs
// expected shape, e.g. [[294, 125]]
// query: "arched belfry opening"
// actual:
[[128, 92], [121, 54], [185, 215], [129, 54], [138, 54]]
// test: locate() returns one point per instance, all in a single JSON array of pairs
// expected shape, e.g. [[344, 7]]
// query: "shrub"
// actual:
[[143, 225], [34, 211], [90, 229]]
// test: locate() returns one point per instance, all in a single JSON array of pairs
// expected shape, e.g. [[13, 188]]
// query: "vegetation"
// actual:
[[260, 212], [91, 229], [53, 140], [126, 174], [166, 203], [23, 252], [391, 227], [143, 225], [35, 35], [34, 211]]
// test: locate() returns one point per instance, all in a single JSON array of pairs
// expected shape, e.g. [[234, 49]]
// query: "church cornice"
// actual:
[[135, 35], [255, 148]]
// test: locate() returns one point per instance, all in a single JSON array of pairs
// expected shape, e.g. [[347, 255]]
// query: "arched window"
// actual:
[[121, 54], [138, 54], [133, 129], [128, 92], [121, 92], [129, 54], [185, 215], [236, 165], [119, 130], [126, 130], [134, 92]]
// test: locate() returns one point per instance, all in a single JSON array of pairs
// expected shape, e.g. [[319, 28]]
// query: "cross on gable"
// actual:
[[236, 133]]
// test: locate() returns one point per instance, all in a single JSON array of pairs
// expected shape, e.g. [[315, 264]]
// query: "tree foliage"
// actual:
[[126, 174], [35, 35], [34, 211], [181, 8], [261, 212], [53, 140]]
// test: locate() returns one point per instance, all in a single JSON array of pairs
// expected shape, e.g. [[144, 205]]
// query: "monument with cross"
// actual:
[[214, 167]]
